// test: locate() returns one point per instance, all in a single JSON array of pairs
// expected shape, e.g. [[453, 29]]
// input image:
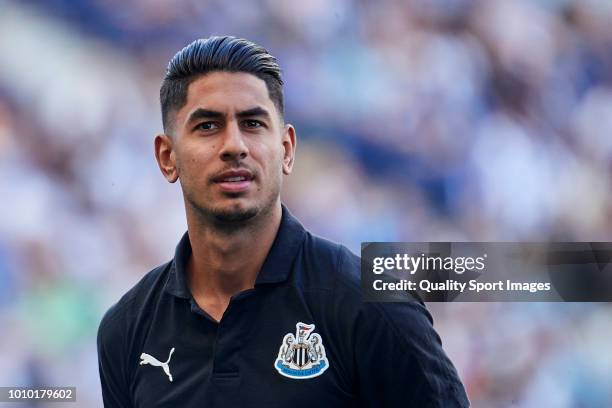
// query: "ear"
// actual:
[[165, 156], [289, 144]]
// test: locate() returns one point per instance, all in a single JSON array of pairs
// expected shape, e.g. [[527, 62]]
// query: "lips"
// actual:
[[234, 181]]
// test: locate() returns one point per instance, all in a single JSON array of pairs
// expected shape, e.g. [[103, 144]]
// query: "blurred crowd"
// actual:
[[445, 120]]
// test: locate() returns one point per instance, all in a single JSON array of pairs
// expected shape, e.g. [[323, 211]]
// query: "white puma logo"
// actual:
[[149, 359]]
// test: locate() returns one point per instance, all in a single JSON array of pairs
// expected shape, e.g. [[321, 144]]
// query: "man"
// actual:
[[254, 310]]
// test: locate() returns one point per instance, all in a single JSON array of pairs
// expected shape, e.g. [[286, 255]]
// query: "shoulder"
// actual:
[[116, 336], [336, 268], [327, 265], [333, 268], [322, 263], [120, 316]]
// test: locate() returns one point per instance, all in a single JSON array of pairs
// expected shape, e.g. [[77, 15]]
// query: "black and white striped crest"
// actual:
[[300, 355]]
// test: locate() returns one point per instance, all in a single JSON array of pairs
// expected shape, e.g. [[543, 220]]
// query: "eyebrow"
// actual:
[[256, 111], [202, 113]]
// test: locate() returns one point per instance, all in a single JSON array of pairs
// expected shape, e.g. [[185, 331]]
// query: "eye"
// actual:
[[206, 126], [252, 123]]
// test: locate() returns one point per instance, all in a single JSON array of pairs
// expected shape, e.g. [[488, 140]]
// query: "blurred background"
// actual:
[[417, 121]]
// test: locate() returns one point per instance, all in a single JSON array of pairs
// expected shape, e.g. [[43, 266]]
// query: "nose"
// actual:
[[233, 147]]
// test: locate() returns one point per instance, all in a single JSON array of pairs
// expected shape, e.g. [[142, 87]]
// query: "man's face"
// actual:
[[229, 148]]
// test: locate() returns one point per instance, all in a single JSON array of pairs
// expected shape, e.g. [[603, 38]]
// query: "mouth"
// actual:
[[234, 181]]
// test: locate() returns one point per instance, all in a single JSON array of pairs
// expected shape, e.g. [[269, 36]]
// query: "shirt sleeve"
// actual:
[[400, 361], [111, 362]]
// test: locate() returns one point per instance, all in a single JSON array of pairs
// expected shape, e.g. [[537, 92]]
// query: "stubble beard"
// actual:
[[237, 218]]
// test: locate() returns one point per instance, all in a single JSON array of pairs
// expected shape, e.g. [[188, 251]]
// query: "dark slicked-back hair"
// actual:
[[212, 54]]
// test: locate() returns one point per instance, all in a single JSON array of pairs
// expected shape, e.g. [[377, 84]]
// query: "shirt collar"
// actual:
[[275, 269], [177, 279]]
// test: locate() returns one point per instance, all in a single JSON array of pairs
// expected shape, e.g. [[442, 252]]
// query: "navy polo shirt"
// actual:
[[301, 337]]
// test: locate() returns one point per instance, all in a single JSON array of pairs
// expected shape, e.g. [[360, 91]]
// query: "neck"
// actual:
[[224, 260]]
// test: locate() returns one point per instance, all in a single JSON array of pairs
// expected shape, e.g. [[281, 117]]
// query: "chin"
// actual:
[[234, 214], [232, 211]]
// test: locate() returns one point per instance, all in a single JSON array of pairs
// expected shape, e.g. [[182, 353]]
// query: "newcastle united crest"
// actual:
[[301, 355]]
